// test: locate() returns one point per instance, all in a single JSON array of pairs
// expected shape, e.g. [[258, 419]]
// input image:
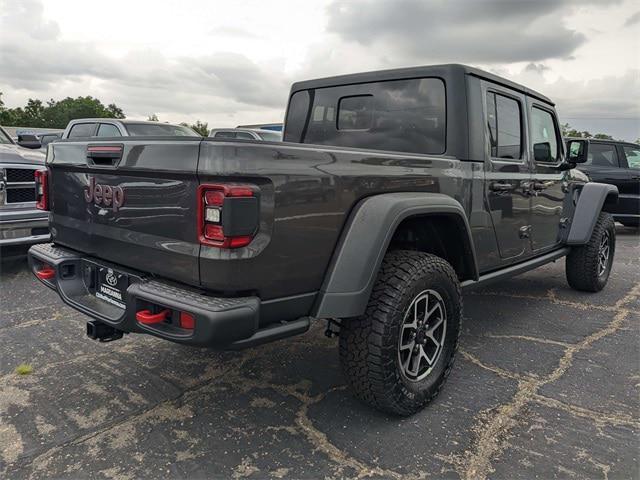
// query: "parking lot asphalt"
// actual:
[[546, 384]]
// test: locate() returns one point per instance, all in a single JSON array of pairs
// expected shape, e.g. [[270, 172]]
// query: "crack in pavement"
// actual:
[[550, 296], [476, 462], [529, 339], [599, 418], [233, 376]]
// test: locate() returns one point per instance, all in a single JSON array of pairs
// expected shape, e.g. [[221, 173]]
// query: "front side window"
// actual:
[[80, 130], [108, 130], [396, 115], [544, 136], [504, 121], [602, 155], [633, 156]]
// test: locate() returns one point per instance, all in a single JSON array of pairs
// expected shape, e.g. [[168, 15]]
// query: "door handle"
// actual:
[[501, 187]]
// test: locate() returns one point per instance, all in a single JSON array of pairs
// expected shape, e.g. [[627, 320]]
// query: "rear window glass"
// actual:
[[244, 136], [225, 135], [159, 129], [108, 130], [355, 113], [270, 136], [397, 115], [82, 130]]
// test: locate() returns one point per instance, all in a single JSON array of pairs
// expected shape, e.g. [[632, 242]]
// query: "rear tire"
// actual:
[[397, 356], [588, 266]]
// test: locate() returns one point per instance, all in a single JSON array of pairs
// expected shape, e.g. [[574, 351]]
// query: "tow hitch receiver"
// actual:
[[102, 332]]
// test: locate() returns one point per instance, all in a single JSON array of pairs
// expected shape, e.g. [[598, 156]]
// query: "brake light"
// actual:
[[227, 215], [42, 189]]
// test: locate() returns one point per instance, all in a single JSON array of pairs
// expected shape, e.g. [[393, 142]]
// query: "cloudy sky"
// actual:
[[230, 62]]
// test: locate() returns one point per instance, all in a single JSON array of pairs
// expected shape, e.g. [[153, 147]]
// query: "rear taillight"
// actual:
[[227, 215], [42, 189]]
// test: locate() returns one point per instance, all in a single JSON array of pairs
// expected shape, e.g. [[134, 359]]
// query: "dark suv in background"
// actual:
[[617, 163]]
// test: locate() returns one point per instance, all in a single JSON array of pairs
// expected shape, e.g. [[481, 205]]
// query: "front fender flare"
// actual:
[[588, 208], [364, 241]]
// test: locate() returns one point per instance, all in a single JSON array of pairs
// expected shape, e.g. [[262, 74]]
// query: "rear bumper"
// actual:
[[220, 322], [22, 231]]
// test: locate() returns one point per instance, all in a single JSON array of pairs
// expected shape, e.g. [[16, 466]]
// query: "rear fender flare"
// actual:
[[364, 241], [590, 202]]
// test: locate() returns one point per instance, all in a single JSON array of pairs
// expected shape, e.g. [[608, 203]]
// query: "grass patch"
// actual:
[[24, 369]]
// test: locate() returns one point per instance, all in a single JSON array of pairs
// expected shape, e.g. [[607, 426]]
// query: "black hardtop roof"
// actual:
[[415, 72]]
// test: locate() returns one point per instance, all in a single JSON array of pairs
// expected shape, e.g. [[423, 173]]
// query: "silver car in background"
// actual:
[[20, 221], [246, 134]]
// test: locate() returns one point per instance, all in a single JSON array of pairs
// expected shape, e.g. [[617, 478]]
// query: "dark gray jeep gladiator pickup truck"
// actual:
[[392, 192]]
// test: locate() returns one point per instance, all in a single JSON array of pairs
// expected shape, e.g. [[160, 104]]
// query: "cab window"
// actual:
[[225, 135], [244, 136], [108, 130], [395, 115], [82, 130]]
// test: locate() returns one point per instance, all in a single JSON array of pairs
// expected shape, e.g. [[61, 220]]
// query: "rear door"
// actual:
[[508, 170], [546, 188], [137, 208]]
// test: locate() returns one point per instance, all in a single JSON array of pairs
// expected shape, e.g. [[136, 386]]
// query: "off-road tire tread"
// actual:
[[582, 262], [371, 372]]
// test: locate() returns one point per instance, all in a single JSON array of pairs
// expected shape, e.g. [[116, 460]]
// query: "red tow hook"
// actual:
[[46, 273], [148, 318]]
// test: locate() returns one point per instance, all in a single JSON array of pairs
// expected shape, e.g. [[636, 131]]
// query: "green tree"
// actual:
[[199, 127], [56, 114]]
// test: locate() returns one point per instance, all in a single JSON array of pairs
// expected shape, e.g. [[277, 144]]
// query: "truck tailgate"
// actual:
[[138, 210]]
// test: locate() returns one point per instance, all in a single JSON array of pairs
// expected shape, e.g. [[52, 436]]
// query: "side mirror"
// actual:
[[577, 151], [542, 152], [29, 141]]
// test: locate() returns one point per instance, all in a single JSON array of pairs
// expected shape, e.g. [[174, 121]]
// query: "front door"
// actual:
[[547, 188], [629, 188], [508, 171]]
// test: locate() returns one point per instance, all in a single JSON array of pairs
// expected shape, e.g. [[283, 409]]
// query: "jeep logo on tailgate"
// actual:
[[104, 195]]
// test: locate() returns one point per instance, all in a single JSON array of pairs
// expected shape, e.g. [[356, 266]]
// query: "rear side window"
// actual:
[[397, 115], [82, 130], [602, 155], [108, 130], [504, 120]]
